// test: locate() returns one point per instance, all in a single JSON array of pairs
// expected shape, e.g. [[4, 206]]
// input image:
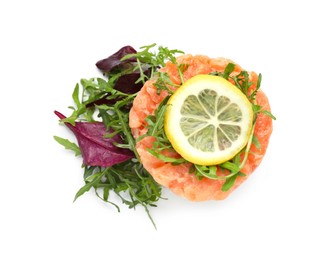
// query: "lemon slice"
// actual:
[[208, 120]]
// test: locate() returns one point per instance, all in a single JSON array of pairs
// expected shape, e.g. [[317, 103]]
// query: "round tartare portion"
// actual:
[[177, 177]]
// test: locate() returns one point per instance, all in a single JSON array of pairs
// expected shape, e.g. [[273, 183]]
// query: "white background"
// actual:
[[281, 212]]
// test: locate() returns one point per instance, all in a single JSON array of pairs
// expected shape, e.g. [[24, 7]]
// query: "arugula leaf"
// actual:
[[229, 182], [68, 145], [154, 59], [228, 70], [207, 171], [95, 180], [255, 141], [253, 94], [163, 82], [234, 168], [268, 113], [75, 96], [166, 158]]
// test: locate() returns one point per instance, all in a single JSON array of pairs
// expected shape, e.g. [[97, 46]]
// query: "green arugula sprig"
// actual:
[[68, 145], [128, 180], [154, 58], [156, 129], [157, 59]]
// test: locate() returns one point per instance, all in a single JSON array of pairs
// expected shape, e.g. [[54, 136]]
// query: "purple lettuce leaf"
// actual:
[[127, 82], [113, 61], [95, 149]]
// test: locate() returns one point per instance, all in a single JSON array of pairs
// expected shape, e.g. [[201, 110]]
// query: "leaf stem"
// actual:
[[127, 133], [247, 147], [141, 72], [180, 75]]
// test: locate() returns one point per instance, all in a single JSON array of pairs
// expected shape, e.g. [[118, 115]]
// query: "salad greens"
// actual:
[[100, 122]]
